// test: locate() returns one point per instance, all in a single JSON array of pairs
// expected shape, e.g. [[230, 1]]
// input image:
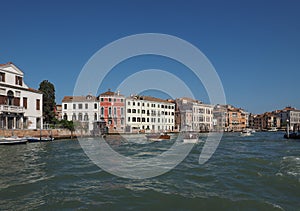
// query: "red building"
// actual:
[[112, 111]]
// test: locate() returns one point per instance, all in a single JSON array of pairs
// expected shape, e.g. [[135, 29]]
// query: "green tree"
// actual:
[[48, 91], [68, 125]]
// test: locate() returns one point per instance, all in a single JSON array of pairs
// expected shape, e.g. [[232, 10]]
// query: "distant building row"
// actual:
[[137, 113], [148, 114]]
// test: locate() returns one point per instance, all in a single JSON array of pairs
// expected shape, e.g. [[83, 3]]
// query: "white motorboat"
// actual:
[[12, 140], [245, 133], [190, 138], [158, 137], [273, 129]]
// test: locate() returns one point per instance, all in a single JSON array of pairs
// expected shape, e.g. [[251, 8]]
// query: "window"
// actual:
[[133, 103], [102, 111], [133, 119], [128, 119], [134, 111], [95, 106], [115, 111], [95, 116], [109, 99], [138, 104], [115, 100], [2, 77], [86, 117], [80, 116], [65, 106], [19, 80], [101, 99], [128, 103], [65, 117], [122, 111], [129, 110], [74, 117], [25, 102], [79, 106], [138, 119], [86, 106], [109, 111], [38, 101], [122, 100], [74, 106]]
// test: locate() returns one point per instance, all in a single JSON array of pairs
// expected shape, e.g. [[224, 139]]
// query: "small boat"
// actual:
[[13, 140], [293, 135], [36, 139], [273, 129], [158, 137], [245, 133], [190, 138]]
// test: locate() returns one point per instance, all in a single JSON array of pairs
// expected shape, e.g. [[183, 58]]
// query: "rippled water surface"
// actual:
[[260, 172]]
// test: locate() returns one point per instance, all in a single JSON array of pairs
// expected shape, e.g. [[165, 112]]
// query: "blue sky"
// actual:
[[253, 45]]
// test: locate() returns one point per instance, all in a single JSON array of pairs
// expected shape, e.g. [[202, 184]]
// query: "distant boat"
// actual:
[[246, 132], [273, 129], [157, 136], [37, 139], [190, 138], [13, 140], [294, 135]]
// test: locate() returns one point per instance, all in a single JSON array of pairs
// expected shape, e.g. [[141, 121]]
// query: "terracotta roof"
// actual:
[[110, 93], [8, 63], [78, 98], [150, 98], [288, 108]]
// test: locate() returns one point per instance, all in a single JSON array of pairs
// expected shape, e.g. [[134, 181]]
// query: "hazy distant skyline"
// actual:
[[253, 45]]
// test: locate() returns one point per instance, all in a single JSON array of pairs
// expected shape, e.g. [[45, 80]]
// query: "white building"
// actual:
[[21, 107], [81, 109], [149, 114], [290, 116], [195, 115]]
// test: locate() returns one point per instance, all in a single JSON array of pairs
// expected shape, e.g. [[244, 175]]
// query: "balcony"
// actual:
[[12, 109]]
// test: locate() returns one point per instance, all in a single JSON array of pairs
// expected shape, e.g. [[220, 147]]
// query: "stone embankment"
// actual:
[[56, 133]]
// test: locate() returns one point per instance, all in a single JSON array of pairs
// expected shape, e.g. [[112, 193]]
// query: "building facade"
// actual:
[[289, 116], [219, 117], [149, 114], [83, 110], [21, 107], [112, 111], [194, 115], [236, 119]]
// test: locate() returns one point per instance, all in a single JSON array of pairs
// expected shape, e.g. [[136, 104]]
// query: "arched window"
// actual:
[[74, 117], [65, 117], [10, 96], [86, 117], [80, 116]]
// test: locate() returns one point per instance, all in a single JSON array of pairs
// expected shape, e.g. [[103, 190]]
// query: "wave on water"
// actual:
[[290, 165]]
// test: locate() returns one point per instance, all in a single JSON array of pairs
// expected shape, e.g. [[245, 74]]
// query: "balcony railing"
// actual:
[[10, 108]]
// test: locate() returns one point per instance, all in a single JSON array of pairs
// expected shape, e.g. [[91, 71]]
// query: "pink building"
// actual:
[[112, 111]]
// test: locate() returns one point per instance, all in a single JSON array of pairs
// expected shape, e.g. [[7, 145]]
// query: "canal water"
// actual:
[[259, 172]]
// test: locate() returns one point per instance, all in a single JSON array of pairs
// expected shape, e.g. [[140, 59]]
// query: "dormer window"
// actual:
[[19, 80]]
